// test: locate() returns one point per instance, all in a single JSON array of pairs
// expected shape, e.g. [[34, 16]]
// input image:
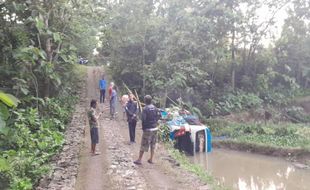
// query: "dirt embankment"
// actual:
[[64, 166]]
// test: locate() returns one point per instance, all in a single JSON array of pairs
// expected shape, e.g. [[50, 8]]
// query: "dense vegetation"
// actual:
[[211, 53], [221, 56], [283, 135], [39, 45]]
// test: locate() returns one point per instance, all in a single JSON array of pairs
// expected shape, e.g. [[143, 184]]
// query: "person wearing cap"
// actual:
[[150, 117]]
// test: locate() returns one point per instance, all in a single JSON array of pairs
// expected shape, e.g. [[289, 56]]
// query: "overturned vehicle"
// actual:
[[189, 134]]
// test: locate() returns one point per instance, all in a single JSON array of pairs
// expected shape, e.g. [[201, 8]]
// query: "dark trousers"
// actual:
[[132, 130], [102, 95]]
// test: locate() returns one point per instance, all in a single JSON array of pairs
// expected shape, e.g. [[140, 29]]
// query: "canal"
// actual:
[[248, 171]]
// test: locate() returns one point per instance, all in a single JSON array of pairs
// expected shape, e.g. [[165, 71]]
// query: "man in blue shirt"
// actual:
[[102, 86]]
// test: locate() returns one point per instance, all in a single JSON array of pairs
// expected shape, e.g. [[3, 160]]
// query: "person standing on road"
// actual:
[[113, 99], [102, 87], [150, 117], [132, 110], [93, 124], [124, 101], [110, 89]]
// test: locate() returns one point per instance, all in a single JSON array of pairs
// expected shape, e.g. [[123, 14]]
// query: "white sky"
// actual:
[[265, 14]]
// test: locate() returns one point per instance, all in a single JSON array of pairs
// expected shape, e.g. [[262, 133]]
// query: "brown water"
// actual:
[[246, 171]]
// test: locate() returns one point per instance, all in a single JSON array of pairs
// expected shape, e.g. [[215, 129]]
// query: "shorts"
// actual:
[[94, 136], [149, 139]]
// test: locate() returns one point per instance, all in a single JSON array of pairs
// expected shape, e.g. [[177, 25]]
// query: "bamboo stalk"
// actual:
[[139, 103], [127, 87], [172, 101]]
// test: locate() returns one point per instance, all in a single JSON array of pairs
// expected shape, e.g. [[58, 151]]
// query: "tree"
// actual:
[[293, 47]]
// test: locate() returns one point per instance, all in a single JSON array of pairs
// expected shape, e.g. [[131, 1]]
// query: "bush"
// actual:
[[282, 135], [297, 115], [163, 133], [238, 102], [33, 137], [218, 127]]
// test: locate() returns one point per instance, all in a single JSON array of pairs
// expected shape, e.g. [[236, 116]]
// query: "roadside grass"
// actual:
[[80, 71], [196, 169], [283, 135], [32, 136]]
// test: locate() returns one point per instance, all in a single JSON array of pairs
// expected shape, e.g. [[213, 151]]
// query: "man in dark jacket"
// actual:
[[131, 110], [150, 117]]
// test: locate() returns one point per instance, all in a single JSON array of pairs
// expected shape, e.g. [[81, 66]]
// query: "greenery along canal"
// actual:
[[219, 56], [294, 138]]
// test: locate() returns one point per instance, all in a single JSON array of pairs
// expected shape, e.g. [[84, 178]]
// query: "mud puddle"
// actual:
[[246, 171]]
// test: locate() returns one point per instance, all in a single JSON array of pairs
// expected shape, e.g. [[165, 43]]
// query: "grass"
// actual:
[[284, 135], [195, 168], [80, 70]]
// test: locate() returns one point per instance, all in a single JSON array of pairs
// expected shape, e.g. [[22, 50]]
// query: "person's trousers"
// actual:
[[102, 95], [132, 130], [112, 108]]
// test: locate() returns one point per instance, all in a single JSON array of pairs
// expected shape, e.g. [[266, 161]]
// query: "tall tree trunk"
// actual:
[[233, 64], [143, 62], [163, 101], [49, 51]]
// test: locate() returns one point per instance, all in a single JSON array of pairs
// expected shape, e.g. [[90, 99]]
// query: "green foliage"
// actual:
[[184, 49], [239, 101], [59, 108], [297, 115], [4, 165], [163, 133], [22, 184], [218, 127], [39, 43], [8, 99], [33, 138], [280, 136]]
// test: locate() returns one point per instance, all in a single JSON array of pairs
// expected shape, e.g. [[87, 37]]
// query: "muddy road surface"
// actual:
[[114, 168]]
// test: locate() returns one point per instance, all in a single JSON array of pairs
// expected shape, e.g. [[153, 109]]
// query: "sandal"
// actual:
[[137, 162], [150, 162]]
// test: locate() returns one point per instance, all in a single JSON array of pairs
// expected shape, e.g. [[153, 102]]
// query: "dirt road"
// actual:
[[114, 168]]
